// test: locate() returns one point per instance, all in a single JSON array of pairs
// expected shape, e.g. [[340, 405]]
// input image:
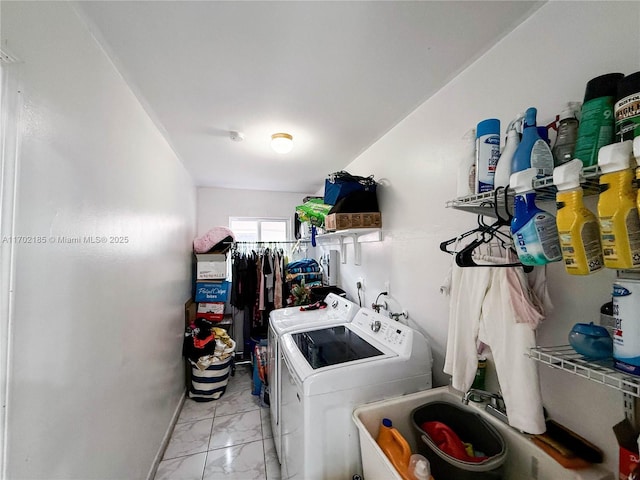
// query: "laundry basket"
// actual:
[[210, 383], [471, 428]]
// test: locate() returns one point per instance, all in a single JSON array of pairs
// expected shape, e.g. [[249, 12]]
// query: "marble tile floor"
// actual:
[[226, 439]]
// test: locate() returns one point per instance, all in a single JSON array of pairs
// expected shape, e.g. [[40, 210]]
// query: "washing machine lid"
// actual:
[[332, 346], [287, 319]]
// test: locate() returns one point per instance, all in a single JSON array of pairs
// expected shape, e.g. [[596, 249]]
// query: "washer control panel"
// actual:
[[393, 334], [384, 330]]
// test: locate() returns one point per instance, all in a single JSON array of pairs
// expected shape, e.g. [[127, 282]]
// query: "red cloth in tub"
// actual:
[[447, 441]]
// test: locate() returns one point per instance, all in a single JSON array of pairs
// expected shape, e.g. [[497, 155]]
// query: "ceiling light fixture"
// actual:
[[281, 142]]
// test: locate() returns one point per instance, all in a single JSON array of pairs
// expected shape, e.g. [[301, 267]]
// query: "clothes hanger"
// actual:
[[465, 257]]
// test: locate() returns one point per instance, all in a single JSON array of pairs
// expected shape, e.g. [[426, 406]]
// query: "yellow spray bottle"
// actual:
[[578, 227], [617, 207]]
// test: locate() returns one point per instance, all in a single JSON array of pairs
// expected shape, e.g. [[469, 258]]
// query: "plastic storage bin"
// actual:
[[471, 428], [525, 461]]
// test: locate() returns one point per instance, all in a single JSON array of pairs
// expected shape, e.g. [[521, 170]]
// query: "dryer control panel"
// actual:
[[385, 330]]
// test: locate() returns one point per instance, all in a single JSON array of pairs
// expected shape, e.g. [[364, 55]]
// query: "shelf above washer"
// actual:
[[358, 235], [565, 358], [483, 203]]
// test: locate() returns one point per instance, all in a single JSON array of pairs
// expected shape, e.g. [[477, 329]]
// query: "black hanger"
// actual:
[[464, 258]]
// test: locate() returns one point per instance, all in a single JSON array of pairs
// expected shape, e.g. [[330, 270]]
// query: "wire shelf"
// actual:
[[482, 203], [565, 358]]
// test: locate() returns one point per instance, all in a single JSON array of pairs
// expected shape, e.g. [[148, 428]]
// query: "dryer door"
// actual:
[[291, 423], [274, 372]]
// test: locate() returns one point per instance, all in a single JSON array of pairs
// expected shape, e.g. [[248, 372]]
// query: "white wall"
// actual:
[[545, 62], [96, 371], [216, 205]]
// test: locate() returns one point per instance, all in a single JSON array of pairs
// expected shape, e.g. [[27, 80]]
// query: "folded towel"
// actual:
[[447, 441]]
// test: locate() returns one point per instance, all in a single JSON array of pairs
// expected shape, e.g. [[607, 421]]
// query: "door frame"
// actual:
[[10, 108]]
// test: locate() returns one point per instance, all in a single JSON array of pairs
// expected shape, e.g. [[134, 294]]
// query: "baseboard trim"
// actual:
[[166, 438]]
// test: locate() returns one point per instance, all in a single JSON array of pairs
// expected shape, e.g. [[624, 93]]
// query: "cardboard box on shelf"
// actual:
[[345, 221], [212, 291], [211, 266], [213, 311]]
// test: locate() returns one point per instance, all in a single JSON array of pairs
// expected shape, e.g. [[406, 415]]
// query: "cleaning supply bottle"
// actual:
[[567, 135], [419, 468], [534, 231], [627, 108], [617, 207], [533, 151], [466, 184], [503, 170], [487, 153], [395, 447], [596, 127], [578, 227]]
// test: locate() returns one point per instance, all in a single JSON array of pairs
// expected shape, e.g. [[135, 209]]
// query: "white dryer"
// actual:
[[329, 371], [288, 319]]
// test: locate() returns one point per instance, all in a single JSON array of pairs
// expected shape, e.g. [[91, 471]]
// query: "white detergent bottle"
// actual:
[[503, 170], [534, 231], [466, 184]]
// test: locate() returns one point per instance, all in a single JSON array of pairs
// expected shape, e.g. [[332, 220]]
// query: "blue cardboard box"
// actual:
[[212, 291]]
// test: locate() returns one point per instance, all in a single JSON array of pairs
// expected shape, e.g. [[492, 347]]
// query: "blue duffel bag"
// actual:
[[340, 184]]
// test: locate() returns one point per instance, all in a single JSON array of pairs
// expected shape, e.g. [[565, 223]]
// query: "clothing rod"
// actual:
[[264, 243]]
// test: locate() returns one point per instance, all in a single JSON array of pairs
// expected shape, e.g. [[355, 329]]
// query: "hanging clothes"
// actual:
[[277, 287], [481, 310], [258, 283]]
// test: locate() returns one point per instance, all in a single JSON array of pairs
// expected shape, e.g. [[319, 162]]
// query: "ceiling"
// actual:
[[335, 75]]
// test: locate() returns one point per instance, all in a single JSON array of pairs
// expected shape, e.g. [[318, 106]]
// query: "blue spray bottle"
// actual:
[[534, 231], [533, 151]]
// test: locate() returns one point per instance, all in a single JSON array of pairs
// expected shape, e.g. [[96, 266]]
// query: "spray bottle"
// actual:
[[534, 231], [577, 226], [487, 153], [567, 134], [503, 170], [617, 208], [533, 151], [596, 127]]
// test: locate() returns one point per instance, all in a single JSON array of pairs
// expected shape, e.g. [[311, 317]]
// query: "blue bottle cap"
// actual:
[[386, 422], [530, 117], [490, 126]]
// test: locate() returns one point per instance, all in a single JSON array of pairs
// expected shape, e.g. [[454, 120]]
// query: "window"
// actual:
[[248, 229]]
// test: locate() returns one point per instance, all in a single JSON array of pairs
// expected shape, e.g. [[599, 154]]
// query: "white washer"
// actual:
[[329, 371], [288, 319]]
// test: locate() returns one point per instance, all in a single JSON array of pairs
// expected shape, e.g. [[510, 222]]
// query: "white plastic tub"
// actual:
[[524, 461]]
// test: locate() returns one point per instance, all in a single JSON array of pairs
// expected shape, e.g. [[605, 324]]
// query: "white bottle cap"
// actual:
[[570, 110], [615, 157], [567, 176], [514, 133], [636, 149], [567, 112], [522, 181], [419, 467]]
